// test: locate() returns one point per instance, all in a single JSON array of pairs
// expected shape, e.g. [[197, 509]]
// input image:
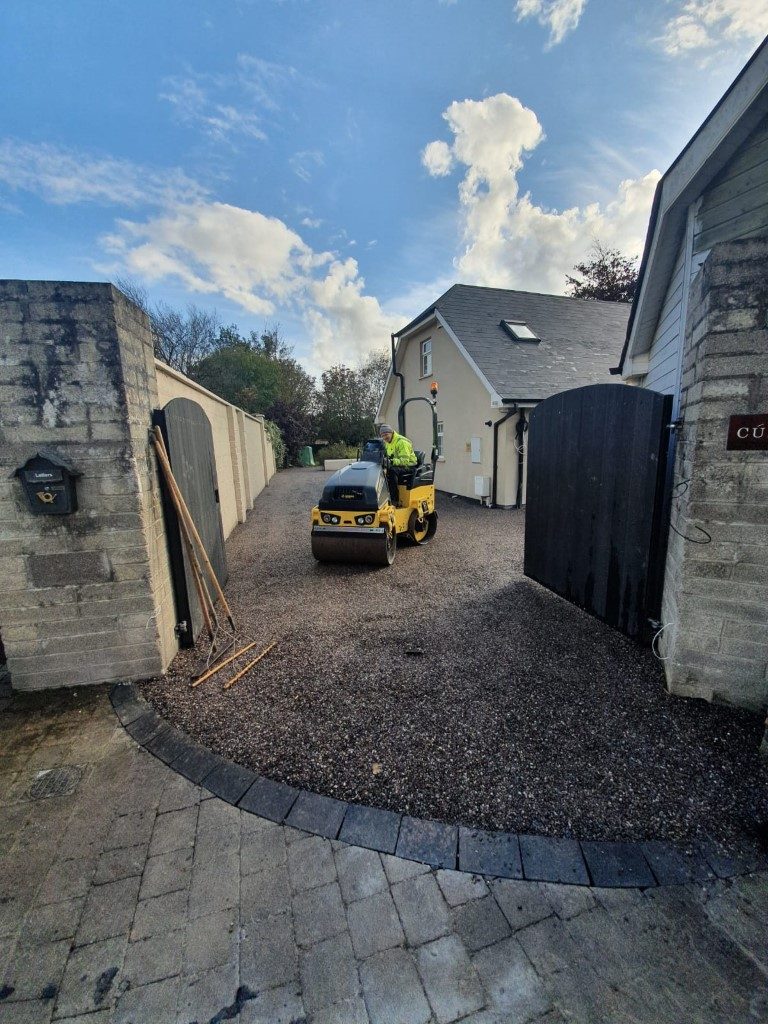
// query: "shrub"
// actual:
[[278, 445], [337, 450]]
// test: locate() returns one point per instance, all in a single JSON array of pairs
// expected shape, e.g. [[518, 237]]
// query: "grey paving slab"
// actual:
[[262, 850], [282, 1005], [129, 830], [320, 815], [211, 941], [360, 873], [451, 983], [480, 923], [490, 853], [206, 995], [318, 914], [195, 762], [124, 862], [431, 842], [272, 800], [174, 830], [675, 866], [397, 870], [750, 855], [423, 911], [215, 884], [393, 989], [617, 865], [155, 1002], [167, 743], [51, 922], [168, 872], [265, 893], [374, 925], [92, 976], [67, 879], [230, 781], [567, 901], [522, 903], [328, 973], [459, 887], [268, 953], [348, 1011], [178, 793], [36, 1011], [154, 958], [160, 914], [311, 863], [510, 982], [144, 727], [371, 827], [553, 860], [109, 910], [34, 970]]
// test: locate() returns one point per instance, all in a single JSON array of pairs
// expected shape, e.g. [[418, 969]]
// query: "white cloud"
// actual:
[[64, 176], [305, 162], [261, 265], [193, 106], [438, 159], [311, 222], [227, 105], [509, 241], [703, 24], [559, 16]]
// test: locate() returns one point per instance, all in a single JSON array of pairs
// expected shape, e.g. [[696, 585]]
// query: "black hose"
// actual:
[[395, 373]]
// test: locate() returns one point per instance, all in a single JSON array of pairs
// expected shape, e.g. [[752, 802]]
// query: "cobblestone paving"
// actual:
[[129, 895]]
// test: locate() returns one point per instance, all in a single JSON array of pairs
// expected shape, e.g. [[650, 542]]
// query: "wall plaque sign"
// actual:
[[748, 433]]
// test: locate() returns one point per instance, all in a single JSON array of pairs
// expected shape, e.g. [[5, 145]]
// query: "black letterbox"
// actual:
[[49, 485]]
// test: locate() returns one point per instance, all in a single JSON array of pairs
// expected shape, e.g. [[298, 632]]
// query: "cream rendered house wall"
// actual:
[[463, 405]]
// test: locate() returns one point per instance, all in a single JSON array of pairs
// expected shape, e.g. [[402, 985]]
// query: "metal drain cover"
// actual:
[[56, 782]]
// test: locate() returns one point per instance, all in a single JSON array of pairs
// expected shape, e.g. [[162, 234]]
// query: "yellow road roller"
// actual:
[[359, 518]]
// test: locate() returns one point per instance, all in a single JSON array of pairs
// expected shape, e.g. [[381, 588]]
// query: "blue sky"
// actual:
[[333, 166]]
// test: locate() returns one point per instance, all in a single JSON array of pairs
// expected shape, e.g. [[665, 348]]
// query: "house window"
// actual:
[[519, 331], [440, 454], [426, 357]]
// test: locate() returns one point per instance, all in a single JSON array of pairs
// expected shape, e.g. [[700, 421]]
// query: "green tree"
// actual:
[[344, 412], [607, 275], [241, 375]]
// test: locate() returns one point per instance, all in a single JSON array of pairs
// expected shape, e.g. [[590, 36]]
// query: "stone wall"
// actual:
[[85, 598], [715, 641]]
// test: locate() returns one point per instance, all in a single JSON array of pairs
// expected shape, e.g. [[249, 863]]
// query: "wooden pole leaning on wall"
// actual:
[[183, 512]]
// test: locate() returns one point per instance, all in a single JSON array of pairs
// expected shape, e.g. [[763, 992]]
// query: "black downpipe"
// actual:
[[395, 373], [496, 425], [520, 430]]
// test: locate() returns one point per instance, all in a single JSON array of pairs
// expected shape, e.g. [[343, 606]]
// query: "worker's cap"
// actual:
[[385, 429]]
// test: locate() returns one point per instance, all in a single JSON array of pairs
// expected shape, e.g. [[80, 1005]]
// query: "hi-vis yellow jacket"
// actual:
[[400, 451]]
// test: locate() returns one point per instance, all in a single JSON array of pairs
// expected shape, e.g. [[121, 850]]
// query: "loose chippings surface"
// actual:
[[523, 713]]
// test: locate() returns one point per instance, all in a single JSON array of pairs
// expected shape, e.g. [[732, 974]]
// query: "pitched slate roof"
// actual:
[[580, 338]]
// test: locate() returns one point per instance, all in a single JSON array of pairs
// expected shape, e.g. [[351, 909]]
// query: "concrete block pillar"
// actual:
[[86, 597], [715, 639]]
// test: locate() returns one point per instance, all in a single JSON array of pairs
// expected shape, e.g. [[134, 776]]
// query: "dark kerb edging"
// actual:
[[494, 854]]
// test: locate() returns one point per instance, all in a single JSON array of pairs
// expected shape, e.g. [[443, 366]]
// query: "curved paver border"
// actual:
[[493, 854]]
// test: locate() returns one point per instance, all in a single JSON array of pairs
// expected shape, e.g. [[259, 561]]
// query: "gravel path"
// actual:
[[522, 714]]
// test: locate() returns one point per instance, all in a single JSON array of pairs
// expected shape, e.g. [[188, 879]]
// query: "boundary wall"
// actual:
[[87, 597]]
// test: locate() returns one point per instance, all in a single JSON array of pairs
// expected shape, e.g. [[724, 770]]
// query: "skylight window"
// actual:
[[519, 331]]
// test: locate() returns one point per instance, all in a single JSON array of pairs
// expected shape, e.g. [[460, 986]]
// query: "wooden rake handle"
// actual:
[[183, 512]]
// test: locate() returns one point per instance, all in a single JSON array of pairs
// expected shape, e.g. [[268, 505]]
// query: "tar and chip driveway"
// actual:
[[522, 714], [134, 896]]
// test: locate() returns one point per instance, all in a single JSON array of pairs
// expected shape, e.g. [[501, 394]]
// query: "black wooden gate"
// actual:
[[189, 440], [596, 523]]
